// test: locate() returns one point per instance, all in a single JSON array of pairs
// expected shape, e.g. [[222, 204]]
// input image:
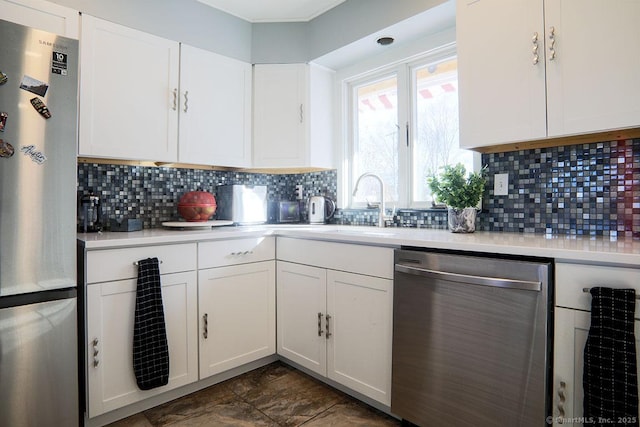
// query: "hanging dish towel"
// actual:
[[610, 378], [150, 349]]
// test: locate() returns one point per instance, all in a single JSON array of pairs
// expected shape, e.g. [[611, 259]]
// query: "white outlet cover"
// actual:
[[501, 184]]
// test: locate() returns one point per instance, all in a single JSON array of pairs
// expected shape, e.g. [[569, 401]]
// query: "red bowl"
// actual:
[[197, 206]]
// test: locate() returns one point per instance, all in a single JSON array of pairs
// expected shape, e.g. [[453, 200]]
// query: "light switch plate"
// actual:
[[501, 184]]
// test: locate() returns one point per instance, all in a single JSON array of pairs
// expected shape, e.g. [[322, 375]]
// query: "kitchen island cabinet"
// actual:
[[237, 303], [572, 322], [544, 72], [333, 322], [110, 306]]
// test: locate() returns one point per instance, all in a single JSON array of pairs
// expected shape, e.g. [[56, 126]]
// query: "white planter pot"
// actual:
[[462, 220]]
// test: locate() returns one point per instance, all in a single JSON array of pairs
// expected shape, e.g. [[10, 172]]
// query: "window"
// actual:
[[404, 127]]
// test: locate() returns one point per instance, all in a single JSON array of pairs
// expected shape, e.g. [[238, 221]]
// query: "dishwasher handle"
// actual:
[[471, 279]]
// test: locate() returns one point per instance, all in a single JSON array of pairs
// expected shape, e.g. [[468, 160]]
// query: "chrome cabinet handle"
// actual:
[[320, 331], [241, 253], [205, 332], [301, 113], [328, 334], [534, 41], [96, 361], [552, 43], [175, 100], [186, 101], [561, 400]]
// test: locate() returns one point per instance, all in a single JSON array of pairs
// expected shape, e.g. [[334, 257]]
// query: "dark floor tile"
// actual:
[[293, 398], [258, 378], [229, 414], [352, 414], [190, 406], [137, 420]]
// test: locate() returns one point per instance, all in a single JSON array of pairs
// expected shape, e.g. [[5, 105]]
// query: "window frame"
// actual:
[[405, 72]]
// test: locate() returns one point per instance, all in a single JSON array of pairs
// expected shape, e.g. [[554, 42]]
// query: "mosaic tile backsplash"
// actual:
[[590, 189], [152, 194]]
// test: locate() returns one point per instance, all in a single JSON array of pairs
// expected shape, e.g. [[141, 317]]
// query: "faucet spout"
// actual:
[[382, 216]]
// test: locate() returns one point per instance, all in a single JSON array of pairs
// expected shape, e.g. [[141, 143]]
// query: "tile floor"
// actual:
[[274, 395]]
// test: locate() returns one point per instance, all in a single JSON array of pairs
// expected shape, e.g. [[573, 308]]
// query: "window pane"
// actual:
[[376, 139], [436, 124]]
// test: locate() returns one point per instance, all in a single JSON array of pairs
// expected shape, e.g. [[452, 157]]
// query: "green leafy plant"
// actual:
[[457, 190]]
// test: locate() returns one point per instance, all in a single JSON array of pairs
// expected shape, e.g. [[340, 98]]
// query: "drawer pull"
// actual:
[[328, 334], [205, 332], [241, 253], [96, 351], [587, 290], [320, 331], [136, 263]]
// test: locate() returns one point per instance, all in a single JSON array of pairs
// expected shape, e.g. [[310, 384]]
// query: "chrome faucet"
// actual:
[[382, 216]]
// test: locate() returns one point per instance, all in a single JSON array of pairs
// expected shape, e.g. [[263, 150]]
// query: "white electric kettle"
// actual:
[[320, 209]]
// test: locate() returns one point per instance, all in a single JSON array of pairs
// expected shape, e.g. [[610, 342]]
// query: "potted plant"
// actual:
[[461, 194]]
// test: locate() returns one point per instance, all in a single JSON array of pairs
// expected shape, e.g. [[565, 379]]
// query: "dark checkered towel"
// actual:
[[150, 350], [610, 378]]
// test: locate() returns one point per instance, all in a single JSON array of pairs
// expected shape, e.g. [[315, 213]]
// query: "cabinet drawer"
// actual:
[[572, 278], [238, 251], [369, 260], [118, 264]]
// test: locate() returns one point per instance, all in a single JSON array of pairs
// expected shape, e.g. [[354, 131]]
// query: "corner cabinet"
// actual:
[[292, 125], [237, 303], [128, 93], [335, 305], [545, 72], [215, 109], [572, 322], [110, 307], [43, 15]]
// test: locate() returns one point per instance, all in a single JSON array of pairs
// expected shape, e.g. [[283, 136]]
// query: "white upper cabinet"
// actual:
[[42, 15], [292, 116], [215, 109], [553, 68], [128, 93]]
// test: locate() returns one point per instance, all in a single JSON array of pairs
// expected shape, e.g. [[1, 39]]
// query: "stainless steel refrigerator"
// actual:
[[38, 304]]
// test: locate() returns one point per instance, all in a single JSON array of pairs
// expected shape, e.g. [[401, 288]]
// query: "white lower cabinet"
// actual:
[[572, 322], [110, 319], [237, 315], [336, 323]]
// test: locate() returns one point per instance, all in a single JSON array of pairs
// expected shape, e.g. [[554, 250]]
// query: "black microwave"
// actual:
[[282, 212]]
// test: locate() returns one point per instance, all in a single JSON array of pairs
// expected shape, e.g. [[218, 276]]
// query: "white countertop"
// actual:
[[562, 248]]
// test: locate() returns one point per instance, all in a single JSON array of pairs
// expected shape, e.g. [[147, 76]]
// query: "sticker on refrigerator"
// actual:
[[40, 107], [3, 120], [34, 85], [36, 156], [59, 63], [3, 78], [6, 149]]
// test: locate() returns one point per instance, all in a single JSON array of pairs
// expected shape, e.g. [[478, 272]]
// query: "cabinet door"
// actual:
[[301, 311], [110, 320], [280, 115], [593, 79], [215, 109], [237, 315], [359, 348], [42, 15], [570, 337], [502, 91], [128, 93]]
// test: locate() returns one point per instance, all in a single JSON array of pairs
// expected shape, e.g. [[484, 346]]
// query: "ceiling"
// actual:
[[273, 10]]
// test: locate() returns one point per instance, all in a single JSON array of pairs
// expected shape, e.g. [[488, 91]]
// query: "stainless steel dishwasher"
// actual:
[[471, 340]]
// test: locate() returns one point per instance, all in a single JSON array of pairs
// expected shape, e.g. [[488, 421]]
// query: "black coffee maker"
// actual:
[[89, 213]]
